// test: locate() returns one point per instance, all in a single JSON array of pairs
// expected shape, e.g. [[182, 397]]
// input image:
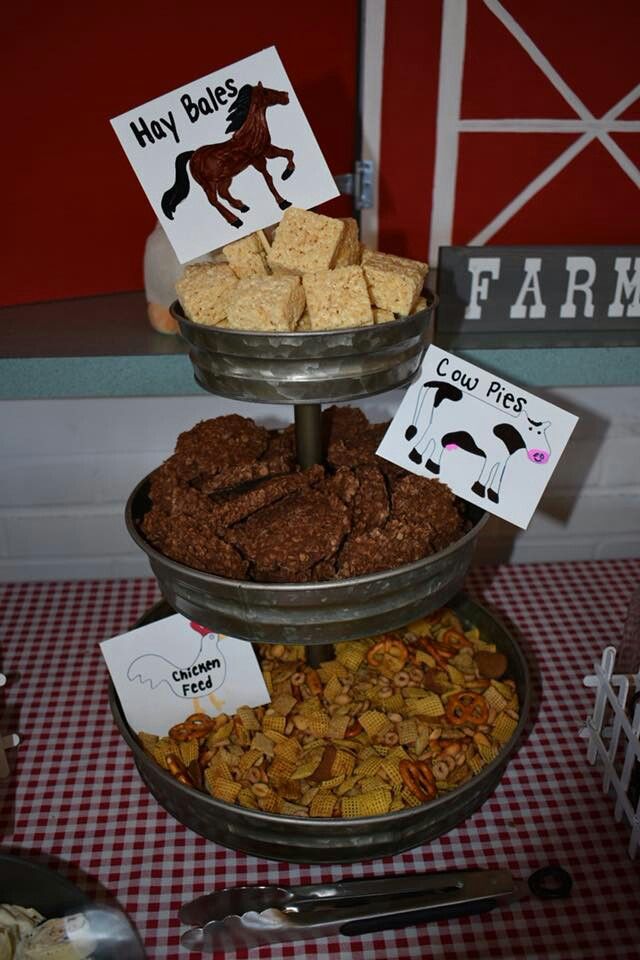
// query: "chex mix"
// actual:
[[391, 722]]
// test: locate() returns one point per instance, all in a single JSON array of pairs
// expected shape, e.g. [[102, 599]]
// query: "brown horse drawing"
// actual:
[[215, 165]]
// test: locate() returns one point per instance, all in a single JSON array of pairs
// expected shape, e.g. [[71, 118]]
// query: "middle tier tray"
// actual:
[[309, 613], [324, 367]]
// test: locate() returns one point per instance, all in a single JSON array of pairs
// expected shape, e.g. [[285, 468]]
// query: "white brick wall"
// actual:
[[67, 467]]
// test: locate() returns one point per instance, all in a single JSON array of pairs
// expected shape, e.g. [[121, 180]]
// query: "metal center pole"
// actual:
[[308, 426]]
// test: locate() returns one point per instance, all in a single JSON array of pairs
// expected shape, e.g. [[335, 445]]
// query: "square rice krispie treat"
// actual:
[[266, 304], [247, 257], [305, 242], [204, 290], [394, 283], [337, 298], [348, 251]]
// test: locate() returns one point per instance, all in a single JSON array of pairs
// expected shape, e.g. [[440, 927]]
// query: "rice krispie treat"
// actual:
[[247, 257], [348, 251], [337, 298], [305, 242], [394, 283], [266, 304], [204, 291]]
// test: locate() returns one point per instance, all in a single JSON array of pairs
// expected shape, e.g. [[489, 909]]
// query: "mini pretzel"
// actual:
[[466, 707], [418, 778], [193, 728], [387, 647], [177, 769]]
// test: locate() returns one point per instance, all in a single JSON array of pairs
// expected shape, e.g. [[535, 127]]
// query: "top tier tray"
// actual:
[[323, 367]]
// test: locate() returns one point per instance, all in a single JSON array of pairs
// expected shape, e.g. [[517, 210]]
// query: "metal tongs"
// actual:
[[252, 916]]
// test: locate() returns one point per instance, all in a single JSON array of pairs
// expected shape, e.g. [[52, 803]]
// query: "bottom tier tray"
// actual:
[[314, 613], [338, 840]]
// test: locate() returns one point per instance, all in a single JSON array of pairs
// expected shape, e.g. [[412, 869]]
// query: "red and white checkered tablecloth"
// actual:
[[75, 801]]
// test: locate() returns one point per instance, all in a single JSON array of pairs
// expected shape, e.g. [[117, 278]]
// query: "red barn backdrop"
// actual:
[[499, 122], [510, 122]]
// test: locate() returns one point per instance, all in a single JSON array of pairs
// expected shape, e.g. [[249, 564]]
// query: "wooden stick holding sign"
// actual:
[[6, 742]]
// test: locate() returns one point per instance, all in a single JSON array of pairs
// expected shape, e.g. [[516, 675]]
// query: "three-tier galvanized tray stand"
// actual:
[[307, 370]]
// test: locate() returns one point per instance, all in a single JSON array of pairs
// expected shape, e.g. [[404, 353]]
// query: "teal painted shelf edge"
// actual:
[[170, 375]]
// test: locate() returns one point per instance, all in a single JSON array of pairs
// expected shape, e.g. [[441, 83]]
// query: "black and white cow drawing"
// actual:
[[441, 422]]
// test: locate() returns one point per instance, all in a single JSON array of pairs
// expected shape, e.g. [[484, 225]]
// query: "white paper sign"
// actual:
[[493, 443], [224, 155], [170, 669]]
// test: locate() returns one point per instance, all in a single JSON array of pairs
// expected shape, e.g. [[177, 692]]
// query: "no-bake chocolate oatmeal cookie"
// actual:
[[231, 501]]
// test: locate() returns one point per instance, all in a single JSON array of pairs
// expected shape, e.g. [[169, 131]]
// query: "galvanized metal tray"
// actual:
[[322, 367], [310, 613], [339, 840]]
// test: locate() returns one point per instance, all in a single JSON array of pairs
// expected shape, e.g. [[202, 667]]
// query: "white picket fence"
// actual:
[[614, 739]]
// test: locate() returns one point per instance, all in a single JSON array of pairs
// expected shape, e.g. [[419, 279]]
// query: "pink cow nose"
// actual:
[[538, 456]]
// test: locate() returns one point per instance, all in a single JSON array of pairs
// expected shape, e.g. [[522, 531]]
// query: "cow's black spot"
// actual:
[[434, 467], [493, 496], [478, 489], [444, 391], [410, 432], [464, 440], [414, 456], [511, 438]]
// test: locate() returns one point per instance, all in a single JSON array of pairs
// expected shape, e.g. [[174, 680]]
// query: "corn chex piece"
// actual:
[[381, 749], [310, 705], [503, 689], [322, 804], [455, 675], [429, 705], [351, 653], [368, 784], [369, 766], [333, 688], [308, 795], [288, 750], [398, 754], [163, 748], [382, 316], [394, 704], [248, 717], [266, 303], [504, 727], [338, 727], [337, 298], [330, 669], [148, 741], [219, 767], [394, 282], [348, 251], [189, 751], [495, 699], [488, 753], [247, 799], [391, 768], [204, 290], [318, 724], [270, 802], [247, 760], [305, 242], [343, 764], [366, 804], [407, 731], [396, 804], [333, 782], [281, 769], [225, 790], [274, 724], [410, 799], [284, 704], [247, 257], [348, 784], [374, 722], [420, 628]]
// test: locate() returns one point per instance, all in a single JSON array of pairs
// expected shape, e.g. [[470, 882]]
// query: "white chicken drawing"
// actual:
[[202, 673]]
